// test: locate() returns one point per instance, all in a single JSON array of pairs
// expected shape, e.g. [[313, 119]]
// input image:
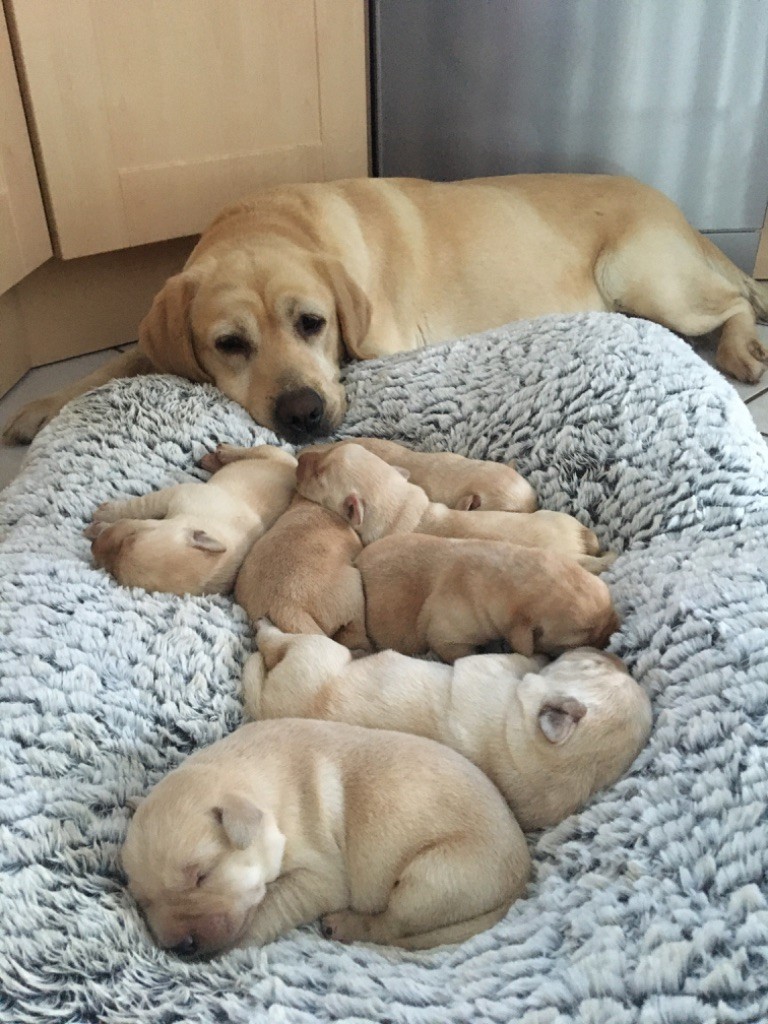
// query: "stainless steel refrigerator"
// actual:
[[674, 92]]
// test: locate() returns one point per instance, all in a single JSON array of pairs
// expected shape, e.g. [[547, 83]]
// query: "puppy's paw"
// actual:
[[345, 926], [107, 512], [210, 462], [29, 420]]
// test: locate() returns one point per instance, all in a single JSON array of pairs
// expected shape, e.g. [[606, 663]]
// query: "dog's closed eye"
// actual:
[[310, 324], [234, 345]]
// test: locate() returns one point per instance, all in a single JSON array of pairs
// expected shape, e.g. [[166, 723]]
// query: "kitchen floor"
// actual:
[[40, 382]]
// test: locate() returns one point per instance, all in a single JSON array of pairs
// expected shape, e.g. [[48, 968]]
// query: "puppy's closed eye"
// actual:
[[234, 345], [310, 324]]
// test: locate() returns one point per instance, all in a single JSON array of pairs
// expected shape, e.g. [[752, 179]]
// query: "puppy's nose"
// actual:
[[299, 414], [187, 946]]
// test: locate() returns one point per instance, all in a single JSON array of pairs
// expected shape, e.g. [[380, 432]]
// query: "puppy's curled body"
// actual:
[[549, 735], [393, 838], [301, 575]]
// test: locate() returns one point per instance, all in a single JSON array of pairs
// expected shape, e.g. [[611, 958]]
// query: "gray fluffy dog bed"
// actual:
[[649, 907]]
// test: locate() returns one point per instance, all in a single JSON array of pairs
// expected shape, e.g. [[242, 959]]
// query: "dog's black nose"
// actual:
[[187, 946], [299, 414]]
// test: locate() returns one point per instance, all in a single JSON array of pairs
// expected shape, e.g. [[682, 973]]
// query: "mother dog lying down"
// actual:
[[281, 287]]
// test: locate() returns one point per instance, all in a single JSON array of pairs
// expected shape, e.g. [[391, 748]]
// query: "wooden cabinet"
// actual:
[[24, 240], [151, 115]]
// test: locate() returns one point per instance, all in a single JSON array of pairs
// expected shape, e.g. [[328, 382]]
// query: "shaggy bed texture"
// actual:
[[649, 907]]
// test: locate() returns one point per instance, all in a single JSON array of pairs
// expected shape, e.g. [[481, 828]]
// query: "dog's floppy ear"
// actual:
[[352, 307], [204, 541], [354, 510], [559, 716], [241, 820], [165, 333]]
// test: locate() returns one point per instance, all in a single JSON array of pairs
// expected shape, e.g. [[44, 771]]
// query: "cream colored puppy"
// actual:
[[549, 735], [192, 538], [378, 500], [452, 479], [450, 596], [391, 838], [300, 575]]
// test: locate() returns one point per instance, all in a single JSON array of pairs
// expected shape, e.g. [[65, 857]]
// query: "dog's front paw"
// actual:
[[345, 926], [29, 420]]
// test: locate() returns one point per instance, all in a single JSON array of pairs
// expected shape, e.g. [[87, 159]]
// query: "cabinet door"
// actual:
[[153, 114], [24, 240]]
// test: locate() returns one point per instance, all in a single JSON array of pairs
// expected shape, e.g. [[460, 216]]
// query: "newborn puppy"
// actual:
[[377, 499], [192, 538], [549, 735], [450, 596], [300, 574], [451, 479], [393, 838]]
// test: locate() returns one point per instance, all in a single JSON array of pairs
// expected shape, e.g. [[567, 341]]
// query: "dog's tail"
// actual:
[[755, 292]]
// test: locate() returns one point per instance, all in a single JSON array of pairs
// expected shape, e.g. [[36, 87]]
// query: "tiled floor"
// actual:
[[42, 381]]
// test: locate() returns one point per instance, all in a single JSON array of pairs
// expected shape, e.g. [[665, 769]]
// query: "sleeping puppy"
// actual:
[[301, 575], [390, 838], [451, 479], [192, 538], [548, 735], [286, 284], [451, 596], [378, 500]]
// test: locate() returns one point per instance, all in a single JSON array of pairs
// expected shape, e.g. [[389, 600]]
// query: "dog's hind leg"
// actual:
[[679, 279]]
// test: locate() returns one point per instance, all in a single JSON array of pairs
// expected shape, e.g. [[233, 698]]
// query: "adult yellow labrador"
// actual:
[[285, 285]]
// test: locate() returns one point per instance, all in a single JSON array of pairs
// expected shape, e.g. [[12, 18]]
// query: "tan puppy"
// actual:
[[451, 479], [283, 285], [377, 500], [300, 575], [451, 596], [394, 838], [192, 538], [548, 735]]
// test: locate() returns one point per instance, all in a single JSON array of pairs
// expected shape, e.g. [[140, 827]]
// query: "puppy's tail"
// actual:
[[254, 677]]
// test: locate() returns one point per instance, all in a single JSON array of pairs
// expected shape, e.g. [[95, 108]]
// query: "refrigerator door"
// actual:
[[673, 92]]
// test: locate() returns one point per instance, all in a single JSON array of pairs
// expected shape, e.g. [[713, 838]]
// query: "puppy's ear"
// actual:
[[469, 502], [165, 333], [559, 716], [353, 308], [204, 541], [521, 637], [354, 510], [405, 473], [241, 820]]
